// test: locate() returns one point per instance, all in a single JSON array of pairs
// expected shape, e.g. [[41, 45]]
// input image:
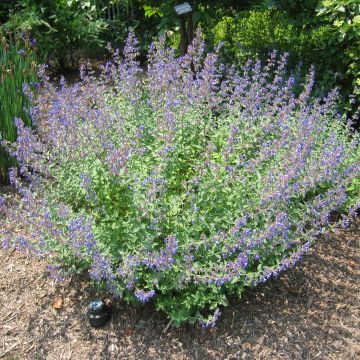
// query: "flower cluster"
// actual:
[[183, 185]]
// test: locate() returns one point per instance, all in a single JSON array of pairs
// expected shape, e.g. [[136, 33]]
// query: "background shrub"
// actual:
[[323, 33], [69, 30], [65, 30], [344, 20], [183, 186], [255, 34]]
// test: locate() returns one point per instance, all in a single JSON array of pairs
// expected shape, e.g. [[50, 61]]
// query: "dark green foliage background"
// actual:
[[321, 32]]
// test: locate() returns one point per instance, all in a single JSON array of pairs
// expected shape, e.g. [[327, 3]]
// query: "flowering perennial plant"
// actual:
[[17, 66], [181, 185]]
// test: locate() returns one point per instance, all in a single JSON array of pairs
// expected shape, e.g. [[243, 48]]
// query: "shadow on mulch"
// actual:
[[311, 312]]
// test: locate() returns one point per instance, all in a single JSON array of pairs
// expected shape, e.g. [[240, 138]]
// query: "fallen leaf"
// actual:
[[129, 331], [57, 303], [352, 264]]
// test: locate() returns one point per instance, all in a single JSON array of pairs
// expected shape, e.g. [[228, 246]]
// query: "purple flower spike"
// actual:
[[144, 296], [211, 322]]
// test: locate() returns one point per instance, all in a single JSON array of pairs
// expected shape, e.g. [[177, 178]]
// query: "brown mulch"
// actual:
[[311, 312]]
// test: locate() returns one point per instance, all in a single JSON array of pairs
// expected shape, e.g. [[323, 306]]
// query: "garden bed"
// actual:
[[180, 200], [311, 312]]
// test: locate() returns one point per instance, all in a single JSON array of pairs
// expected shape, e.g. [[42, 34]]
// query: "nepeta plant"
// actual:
[[180, 185]]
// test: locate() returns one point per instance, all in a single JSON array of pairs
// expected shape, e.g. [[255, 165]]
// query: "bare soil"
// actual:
[[311, 312]]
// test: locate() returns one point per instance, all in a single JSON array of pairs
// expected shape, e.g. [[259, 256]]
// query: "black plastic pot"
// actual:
[[98, 313]]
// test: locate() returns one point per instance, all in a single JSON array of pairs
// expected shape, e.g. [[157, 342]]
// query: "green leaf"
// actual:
[[150, 11], [340, 8]]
